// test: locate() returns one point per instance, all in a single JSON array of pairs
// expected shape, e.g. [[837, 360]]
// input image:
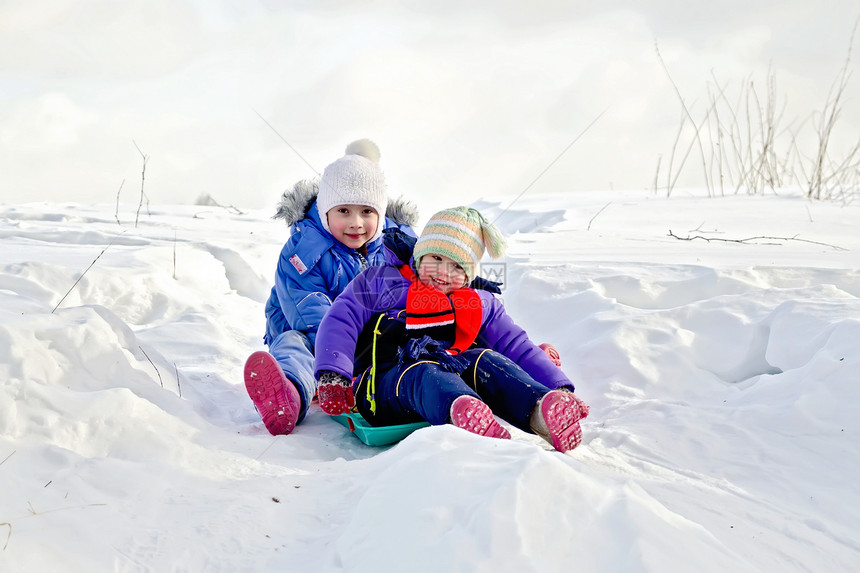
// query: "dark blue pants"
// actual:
[[423, 390]]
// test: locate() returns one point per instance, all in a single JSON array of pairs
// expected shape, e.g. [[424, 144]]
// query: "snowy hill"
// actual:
[[722, 378]]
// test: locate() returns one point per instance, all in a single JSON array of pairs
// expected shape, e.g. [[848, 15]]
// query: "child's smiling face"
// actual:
[[352, 225], [441, 272]]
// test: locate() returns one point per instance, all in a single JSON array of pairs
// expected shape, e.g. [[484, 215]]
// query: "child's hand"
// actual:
[[335, 393], [551, 353]]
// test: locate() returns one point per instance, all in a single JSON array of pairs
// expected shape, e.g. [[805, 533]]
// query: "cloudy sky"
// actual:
[[465, 100]]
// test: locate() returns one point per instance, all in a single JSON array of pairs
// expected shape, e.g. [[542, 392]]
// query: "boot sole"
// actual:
[[474, 416], [276, 398], [561, 414]]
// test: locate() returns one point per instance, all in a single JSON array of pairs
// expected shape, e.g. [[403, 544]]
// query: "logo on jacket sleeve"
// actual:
[[298, 264]]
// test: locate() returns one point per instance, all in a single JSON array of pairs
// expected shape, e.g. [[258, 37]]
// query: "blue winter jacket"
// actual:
[[383, 290], [313, 269]]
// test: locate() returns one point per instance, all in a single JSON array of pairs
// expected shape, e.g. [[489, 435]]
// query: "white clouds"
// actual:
[[478, 98], [51, 120], [97, 38]]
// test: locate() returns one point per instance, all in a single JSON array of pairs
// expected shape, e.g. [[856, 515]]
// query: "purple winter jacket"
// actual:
[[383, 289]]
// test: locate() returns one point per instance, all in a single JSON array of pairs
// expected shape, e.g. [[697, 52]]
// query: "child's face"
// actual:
[[441, 273], [352, 225]]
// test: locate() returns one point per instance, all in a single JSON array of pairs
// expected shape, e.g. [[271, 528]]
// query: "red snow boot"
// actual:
[[275, 396], [471, 414]]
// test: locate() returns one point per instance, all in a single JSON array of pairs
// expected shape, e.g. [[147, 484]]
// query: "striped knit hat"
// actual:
[[461, 234]]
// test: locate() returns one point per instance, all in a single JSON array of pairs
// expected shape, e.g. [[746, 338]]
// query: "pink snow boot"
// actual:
[[471, 414], [556, 419], [276, 398]]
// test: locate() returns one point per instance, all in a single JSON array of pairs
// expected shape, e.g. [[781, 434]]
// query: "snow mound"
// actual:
[[722, 385]]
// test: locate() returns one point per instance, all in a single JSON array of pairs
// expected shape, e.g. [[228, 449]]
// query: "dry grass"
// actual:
[[744, 148]]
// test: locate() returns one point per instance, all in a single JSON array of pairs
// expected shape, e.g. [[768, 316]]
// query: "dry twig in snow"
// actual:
[[754, 239]]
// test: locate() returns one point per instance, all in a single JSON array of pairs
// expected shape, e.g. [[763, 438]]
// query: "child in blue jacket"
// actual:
[[423, 345], [336, 232]]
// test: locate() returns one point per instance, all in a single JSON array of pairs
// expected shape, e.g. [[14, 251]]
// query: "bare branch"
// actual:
[[142, 179], [753, 240], [178, 385], [596, 214], [83, 273], [153, 365], [116, 213], [687, 112]]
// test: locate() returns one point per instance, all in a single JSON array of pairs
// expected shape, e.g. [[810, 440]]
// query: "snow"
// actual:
[[722, 379]]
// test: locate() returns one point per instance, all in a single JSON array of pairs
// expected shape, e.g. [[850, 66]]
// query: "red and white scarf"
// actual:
[[429, 308]]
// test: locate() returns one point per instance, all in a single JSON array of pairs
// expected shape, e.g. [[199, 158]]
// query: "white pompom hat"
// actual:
[[354, 179]]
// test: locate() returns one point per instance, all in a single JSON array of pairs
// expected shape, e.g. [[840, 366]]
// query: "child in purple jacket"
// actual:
[[421, 345]]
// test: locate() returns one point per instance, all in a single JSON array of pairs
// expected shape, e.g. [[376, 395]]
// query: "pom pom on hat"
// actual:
[[365, 148], [354, 179], [461, 234]]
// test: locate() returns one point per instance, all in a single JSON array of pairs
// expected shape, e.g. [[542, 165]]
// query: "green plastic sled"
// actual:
[[377, 435]]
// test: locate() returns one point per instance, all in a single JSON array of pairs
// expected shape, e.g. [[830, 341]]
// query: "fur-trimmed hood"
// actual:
[[296, 202]]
